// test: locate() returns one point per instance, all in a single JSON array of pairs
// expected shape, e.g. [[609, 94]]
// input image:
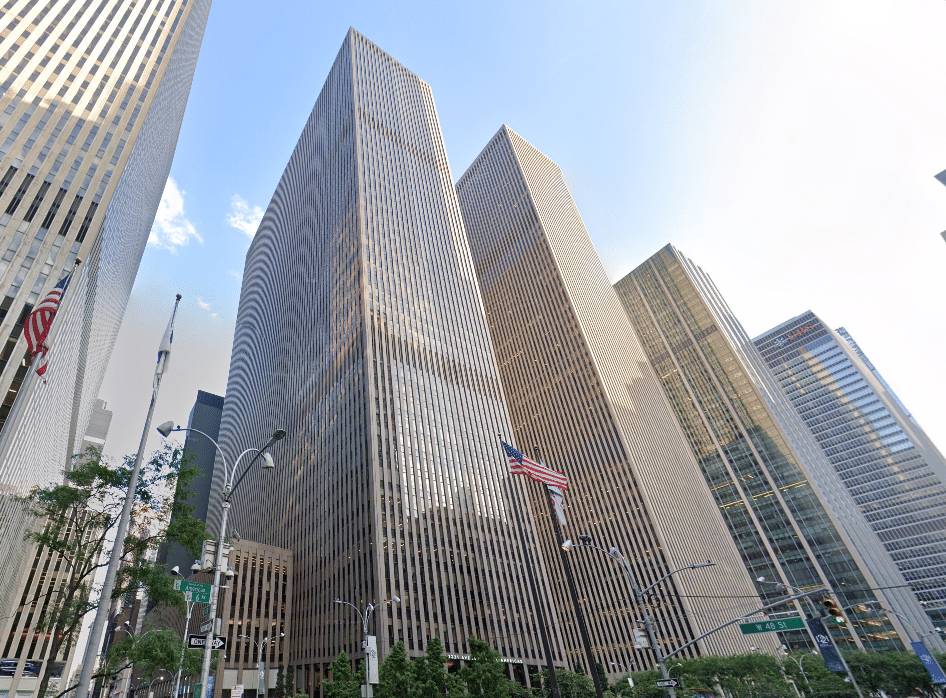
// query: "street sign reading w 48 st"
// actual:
[[772, 626]]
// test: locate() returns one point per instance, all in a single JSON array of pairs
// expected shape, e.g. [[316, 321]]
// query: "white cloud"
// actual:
[[171, 229], [244, 217], [203, 305]]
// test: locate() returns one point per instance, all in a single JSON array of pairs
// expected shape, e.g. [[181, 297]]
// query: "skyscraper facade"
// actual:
[[578, 385], [887, 462], [361, 332], [791, 517], [92, 95]]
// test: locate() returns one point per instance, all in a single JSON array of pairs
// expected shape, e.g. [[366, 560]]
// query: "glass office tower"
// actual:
[[578, 385], [888, 463], [92, 96], [361, 332], [785, 507]]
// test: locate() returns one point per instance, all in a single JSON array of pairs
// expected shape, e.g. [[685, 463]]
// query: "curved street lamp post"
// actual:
[[228, 488], [260, 662], [364, 621], [639, 593]]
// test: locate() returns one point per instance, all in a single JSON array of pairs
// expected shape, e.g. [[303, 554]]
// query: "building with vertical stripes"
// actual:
[[889, 465], [92, 94], [578, 385], [361, 332], [791, 517]]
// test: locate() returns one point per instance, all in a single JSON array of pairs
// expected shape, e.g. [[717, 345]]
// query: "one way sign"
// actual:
[[197, 642]]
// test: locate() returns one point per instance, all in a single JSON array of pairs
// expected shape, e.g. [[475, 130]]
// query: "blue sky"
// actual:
[[788, 148]]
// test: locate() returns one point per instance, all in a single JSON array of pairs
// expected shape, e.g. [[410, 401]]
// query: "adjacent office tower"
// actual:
[[205, 416], [890, 467], [92, 95], [361, 333], [791, 517], [579, 386]]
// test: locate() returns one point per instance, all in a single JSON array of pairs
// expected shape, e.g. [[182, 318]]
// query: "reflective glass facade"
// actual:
[[361, 332], [578, 385], [888, 464], [92, 95], [788, 514]]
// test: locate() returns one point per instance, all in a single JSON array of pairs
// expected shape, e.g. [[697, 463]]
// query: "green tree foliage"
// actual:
[[396, 674], [344, 683], [73, 518], [571, 684], [431, 679], [484, 673], [285, 682]]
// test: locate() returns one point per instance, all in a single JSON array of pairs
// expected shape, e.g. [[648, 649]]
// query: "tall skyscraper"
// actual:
[[361, 333], [788, 512], [92, 95], [887, 462], [579, 386], [205, 416]]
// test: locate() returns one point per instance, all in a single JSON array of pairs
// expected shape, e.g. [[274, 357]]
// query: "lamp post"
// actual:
[[260, 662], [639, 593], [789, 587], [799, 661], [364, 620], [229, 486], [188, 599]]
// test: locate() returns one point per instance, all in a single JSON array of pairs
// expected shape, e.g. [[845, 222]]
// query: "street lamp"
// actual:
[[615, 554], [188, 599], [260, 662], [165, 430], [364, 619]]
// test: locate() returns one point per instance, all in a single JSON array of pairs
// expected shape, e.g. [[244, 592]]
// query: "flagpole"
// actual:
[[101, 614], [543, 630], [583, 629], [26, 386]]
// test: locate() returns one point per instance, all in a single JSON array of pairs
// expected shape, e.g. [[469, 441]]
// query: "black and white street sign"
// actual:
[[669, 683], [197, 642]]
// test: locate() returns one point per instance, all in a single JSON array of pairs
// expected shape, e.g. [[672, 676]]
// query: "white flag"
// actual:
[[164, 350], [558, 502]]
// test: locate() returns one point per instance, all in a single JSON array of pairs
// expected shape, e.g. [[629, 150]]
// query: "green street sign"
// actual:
[[197, 688], [206, 612], [200, 593], [771, 626]]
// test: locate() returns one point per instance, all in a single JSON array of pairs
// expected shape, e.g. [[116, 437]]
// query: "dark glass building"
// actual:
[[788, 513], [887, 462], [361, 332]]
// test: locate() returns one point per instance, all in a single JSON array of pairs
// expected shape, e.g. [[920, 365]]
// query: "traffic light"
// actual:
[[833, 609], [640, 639]]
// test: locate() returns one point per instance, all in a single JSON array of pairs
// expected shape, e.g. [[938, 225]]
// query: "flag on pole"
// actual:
[[521, 465], [164, 350], [37, 326], [558, 503]]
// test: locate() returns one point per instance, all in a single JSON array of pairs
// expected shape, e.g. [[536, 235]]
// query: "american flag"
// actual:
[[521, 465], [39, 321]]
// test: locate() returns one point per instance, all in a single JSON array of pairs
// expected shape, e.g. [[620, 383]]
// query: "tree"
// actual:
[[344, 683], [571, 684], [73, 520], [485, 674], [431, 679], [396, 674], [285, 683]]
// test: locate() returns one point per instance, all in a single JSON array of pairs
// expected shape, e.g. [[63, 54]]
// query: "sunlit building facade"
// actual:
[[788, 513], [578, 385], [361, 332], [92, 96], [887, 462]]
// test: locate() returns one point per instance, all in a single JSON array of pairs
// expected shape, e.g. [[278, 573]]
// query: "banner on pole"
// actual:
[[371, 651], [825, 646], [930, 664]]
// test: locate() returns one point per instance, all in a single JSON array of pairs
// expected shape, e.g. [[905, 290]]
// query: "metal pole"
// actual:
[[180, 663], [583, 629], [101, 615], [536, 601], [215, 589]]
